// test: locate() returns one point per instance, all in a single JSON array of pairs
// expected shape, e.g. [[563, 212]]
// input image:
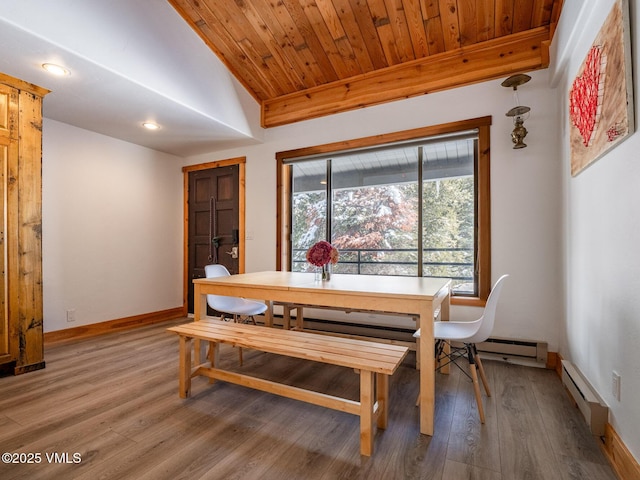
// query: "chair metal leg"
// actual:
[[439, 349], [474, 378]]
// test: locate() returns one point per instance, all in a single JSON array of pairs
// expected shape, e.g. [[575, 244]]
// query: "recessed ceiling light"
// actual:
[[56, 69], [151, 126]]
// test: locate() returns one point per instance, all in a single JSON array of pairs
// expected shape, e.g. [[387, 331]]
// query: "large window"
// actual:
[[411, 203]]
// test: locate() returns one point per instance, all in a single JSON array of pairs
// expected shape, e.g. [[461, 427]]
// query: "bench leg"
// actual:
[[299, 318], [214, 356], [382, 394], [196, 351], [184, 382], [286, 317], [366, 413]]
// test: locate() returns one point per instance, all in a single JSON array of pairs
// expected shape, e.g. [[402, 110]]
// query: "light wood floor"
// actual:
[[114, 400]]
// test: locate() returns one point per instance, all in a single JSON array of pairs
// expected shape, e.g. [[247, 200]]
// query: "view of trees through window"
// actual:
[[371, 206]]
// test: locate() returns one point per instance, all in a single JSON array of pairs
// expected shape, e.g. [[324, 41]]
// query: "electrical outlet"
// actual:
[[71, 315], [615, 385]]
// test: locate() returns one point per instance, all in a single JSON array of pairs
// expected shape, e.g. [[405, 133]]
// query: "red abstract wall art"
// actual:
[[601, 96], [585, 99]]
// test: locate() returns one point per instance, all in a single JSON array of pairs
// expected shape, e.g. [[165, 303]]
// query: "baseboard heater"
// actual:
[[505, 347], [595, 412]]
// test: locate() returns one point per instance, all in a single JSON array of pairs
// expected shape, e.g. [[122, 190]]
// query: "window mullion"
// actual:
[[420, 213], [329, 195]]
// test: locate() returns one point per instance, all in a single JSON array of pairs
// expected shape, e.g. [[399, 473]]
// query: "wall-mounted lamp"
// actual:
[[519, 113]]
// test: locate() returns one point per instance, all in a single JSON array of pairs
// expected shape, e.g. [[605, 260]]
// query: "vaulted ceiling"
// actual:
[[283, 60], [308, 58]]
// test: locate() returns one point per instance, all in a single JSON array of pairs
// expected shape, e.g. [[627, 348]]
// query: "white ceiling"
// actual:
[[131, 61]]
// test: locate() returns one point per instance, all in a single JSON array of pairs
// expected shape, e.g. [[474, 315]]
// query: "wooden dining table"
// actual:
[[417, 296]]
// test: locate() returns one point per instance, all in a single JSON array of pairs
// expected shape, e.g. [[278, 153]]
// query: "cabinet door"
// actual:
[[7, 101], [21, 312]]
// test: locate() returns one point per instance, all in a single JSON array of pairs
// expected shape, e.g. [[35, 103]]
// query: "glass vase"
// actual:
[[323, 273], [326, 272]]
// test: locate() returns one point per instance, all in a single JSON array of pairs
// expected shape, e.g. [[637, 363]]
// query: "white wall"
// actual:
[[602, 230], [112, 228], [525, 189]]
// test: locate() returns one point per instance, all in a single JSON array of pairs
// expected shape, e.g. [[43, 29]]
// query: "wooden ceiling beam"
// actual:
[[525, 51]]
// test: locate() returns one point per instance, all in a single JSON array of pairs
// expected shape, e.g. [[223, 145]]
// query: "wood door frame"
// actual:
[[241, 163]]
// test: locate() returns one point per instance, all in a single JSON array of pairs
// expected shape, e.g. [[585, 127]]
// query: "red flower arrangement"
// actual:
[[322, 253]]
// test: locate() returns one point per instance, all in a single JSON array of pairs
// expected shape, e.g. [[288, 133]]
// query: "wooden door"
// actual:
[[214, 222]]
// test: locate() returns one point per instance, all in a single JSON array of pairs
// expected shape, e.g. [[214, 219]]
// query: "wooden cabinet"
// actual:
[[21, 317]]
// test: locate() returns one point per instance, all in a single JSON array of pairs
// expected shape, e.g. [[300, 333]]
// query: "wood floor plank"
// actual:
[[51, 419], [578, 469], [390, 450], [8, 427], [207, 451], [312, 452], [525, 449], [568, 432], [470, 442], [463, 471], [114, 399], [81, 447], [422, 457]]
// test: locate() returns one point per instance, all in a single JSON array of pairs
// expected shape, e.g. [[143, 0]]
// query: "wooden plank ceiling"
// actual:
[[303, 59]]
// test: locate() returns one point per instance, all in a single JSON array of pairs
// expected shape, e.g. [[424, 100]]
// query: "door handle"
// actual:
[[233, 252]]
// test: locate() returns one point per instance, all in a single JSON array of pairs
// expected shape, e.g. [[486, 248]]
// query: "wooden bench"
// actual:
[[372, 360]]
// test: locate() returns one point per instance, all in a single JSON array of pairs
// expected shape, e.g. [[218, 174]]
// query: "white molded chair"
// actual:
[[469, 334], [241, 309]]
